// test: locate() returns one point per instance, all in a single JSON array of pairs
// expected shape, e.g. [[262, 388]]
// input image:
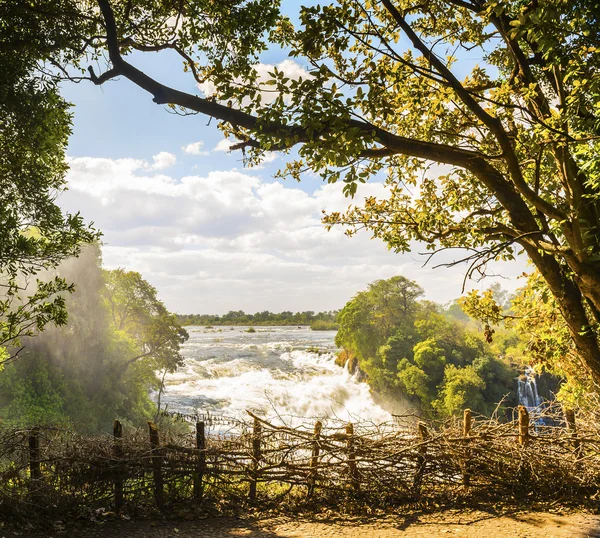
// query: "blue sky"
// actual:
[[209, 234]]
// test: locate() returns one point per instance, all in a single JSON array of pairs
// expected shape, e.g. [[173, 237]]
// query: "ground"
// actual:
[[461, 523]]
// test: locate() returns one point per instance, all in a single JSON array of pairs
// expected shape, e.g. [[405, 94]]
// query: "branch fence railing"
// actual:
[[554, 456]]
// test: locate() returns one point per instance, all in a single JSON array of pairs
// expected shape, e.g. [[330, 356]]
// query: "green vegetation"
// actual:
[[103, 363], [517, 133], [35, 123], [410, 348], [251, 330], [238, 317], [516, 128], [324, 325], [535, 314]]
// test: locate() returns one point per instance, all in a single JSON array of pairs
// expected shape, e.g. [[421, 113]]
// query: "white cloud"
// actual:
[[290, 69], [223, 145], [231, 240], [269, 157], [195, 148], [162, 161]]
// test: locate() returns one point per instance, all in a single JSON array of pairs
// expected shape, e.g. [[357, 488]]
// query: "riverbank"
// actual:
[[463, 523]]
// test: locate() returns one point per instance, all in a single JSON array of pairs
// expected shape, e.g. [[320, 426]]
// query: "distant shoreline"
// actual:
[[313, 326], [246, 324]]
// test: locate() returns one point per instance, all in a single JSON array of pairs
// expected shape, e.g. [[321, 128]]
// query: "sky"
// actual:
[[209, 234]]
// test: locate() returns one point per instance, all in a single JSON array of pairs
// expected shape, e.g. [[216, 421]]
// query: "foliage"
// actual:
[[410, 348], [137, 312], [35, 124], [372, 316], [461, 390], [103, 363], [238, 317], [388, 93], [532, 330], [536, 315], [324, 325]]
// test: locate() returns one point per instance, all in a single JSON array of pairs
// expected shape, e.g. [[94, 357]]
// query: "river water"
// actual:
[[284, 373]]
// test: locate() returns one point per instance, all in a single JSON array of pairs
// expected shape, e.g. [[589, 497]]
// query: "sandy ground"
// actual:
[[452, 523]]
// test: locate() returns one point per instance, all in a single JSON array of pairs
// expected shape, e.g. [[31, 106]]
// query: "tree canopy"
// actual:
[[106, 359], [239, 317], [137, 312], [35, 124], [411, 349], [388, 93]]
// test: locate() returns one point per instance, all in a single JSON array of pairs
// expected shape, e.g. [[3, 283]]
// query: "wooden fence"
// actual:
[[553, 457]]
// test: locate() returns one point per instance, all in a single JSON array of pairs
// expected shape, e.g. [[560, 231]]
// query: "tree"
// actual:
[[374, 315], [517, 136], [137, 312], [461, 389], [103, 363], [35, 235], [409, 349]]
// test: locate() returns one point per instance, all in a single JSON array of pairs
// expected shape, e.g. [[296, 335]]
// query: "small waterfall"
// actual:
[[528, 390]]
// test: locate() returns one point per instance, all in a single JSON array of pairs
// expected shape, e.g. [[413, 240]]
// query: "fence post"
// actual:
[[255, 457], [572, 429], [354, 478], [467, 425], [314, 460], [523, 426], [421, 458], [35, 471], [200, 445], [156, 466], [118, 455]]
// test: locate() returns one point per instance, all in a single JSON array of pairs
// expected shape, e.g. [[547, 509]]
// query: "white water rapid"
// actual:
[[275, 372]]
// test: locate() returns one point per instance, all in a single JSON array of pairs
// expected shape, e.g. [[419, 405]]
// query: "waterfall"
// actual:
[[283, 373], [528, 391]]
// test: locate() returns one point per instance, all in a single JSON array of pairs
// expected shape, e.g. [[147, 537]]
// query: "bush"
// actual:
[[324, 325]]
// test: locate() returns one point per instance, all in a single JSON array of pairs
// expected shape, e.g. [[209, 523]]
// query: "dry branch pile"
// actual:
[[51, 471]]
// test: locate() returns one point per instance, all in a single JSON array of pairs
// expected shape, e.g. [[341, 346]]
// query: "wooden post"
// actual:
[[201, 446], [467, 425], [35, 471], [523, 426], [118, 455], [156, 466], [572, 429], [255, 457], [314, 460], [354, 477], [421, 458]]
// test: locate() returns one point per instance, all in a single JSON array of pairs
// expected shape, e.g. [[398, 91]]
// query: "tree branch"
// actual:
[[393, 144], [493, 123]]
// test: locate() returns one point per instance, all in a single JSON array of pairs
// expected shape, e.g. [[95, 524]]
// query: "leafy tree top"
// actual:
[[35, 123], [518, 134]]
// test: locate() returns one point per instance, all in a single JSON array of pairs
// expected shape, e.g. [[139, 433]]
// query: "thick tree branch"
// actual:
[[570, 301], [165, 95], [104, 77], [491, 122], [392, 144]]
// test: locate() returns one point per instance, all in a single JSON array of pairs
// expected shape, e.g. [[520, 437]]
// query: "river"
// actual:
[[284, 373]]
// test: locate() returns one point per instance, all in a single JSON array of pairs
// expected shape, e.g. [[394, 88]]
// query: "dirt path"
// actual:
[[462, 524]]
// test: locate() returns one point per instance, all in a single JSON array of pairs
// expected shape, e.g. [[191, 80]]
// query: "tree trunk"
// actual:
[[571, 302]]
